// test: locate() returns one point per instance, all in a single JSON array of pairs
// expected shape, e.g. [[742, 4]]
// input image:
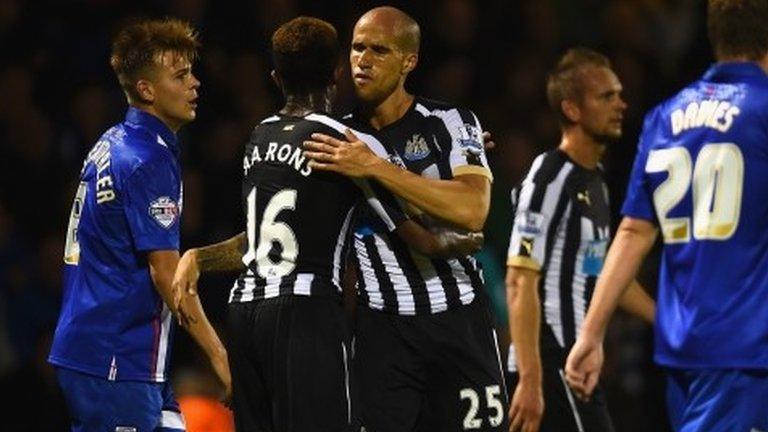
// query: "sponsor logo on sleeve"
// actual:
[[470, 141], [164, 211], [528, 222]]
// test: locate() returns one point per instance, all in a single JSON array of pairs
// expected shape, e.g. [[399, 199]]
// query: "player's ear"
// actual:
[[411, 59], [570, 110], [145, 90]]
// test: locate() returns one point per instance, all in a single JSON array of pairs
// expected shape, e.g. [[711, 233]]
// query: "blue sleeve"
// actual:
[[152, 205], [638, 202]]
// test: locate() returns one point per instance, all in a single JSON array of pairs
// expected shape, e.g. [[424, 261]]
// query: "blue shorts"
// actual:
[[716, 400], [96, 404]]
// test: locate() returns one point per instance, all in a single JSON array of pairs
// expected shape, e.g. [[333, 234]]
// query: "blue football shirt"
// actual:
[[113, 322], [701, 174]]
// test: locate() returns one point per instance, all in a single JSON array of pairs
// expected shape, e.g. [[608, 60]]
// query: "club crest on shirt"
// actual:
[[470, 140], [528, 222], [416, 148], [164, 211]]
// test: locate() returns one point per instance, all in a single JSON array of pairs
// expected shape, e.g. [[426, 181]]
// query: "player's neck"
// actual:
[[301, 105], [583, 150], [392, 109], [172, 124]]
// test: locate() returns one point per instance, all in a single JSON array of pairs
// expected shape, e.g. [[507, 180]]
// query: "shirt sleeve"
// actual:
[[383, 203], [638, 202], [467, 155], [152, 205], [534, 208]]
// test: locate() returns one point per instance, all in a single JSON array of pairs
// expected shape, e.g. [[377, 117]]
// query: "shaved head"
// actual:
[[404, 28]]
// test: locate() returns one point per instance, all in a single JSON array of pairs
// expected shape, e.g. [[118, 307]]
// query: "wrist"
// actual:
[[530, 378], [374, 166], [593, 332]]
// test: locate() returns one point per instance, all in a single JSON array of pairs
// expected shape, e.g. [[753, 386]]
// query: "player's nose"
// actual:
[[195, 82], [364, 60], [622, 105]]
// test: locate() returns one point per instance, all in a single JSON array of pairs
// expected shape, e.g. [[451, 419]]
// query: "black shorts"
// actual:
[[563, 412], [290, 361], [438, 372]]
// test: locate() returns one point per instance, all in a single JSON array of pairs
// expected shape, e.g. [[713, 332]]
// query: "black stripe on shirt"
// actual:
[[288, 284], [412, 274], [385, 284], [473, 273], [448, 280]]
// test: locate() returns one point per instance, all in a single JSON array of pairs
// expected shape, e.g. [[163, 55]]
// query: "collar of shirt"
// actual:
[[165, 135], [735, 71]]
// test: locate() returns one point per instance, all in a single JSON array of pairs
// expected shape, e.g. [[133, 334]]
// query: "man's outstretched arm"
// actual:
[[439, 242], [162, 264], [634, 239], [222, 256], [463, 201]]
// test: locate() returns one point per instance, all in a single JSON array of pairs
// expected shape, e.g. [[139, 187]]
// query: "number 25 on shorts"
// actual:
[[493, 401]]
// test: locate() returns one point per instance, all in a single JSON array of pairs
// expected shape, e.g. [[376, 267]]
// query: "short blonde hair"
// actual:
[[564, 81]]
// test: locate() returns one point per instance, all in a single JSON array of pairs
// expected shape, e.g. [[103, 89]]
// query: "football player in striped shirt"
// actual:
[[290, 347], [426, 347], [113, 340], [560, 234], [699, 179]]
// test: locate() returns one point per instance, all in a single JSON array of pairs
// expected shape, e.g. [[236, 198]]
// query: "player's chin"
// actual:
[[365, 93], [608, 137], [613, 134]]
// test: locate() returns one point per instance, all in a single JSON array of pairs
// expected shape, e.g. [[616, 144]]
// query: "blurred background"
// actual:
[[58, 94]]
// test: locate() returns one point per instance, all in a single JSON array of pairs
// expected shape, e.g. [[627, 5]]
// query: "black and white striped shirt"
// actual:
[[562, 229], [437, 141], [298, 221]]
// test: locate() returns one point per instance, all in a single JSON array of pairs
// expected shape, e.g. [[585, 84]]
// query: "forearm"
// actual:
[[625, 255], [437, 242], [524, 321], [201, 330], [222, 256], [195, 321], [454, 200], [637, 302]]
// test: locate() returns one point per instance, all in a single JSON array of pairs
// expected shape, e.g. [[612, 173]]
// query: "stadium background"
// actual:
[[57, 94]]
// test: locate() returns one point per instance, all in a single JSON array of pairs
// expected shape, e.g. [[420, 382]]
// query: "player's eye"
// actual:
[[358, 47]]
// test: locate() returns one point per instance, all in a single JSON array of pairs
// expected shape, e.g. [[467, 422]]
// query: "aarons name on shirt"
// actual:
[[285, 153]]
